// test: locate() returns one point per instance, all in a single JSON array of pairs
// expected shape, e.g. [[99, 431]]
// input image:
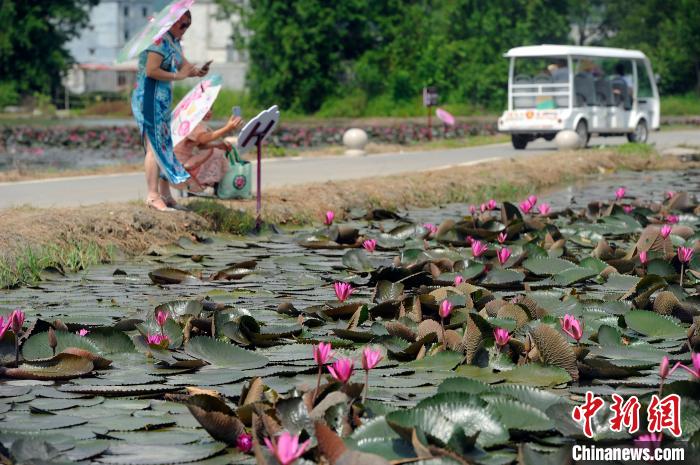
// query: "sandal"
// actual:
[[158, 204], [169, 200], [171, 203]]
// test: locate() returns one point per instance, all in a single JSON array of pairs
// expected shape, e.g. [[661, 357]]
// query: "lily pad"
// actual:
[[654, 325], [573, 275], [500, 276], [123, 454], [547, 266], [62, 366], [517, 415], [358, 260], [170, 276], [534, 374], [37, 346], [224, 355]]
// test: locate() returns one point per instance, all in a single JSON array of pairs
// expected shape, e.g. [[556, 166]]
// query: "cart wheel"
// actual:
[[519, 141], [582, 132], [640, 134]]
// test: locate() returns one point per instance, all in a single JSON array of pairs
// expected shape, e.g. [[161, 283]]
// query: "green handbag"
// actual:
[[236, 182]]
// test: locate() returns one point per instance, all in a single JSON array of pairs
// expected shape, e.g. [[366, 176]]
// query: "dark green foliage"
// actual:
[[33, 35], [668, 32], [360, 57]]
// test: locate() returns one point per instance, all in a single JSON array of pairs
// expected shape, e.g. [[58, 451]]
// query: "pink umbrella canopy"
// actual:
[[155, 29], [192, 109], [445, 117]]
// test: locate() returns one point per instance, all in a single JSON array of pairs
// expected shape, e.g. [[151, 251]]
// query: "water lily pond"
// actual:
[[586, 289]]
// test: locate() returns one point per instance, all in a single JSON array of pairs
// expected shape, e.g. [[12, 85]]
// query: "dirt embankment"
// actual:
[[133, 228]]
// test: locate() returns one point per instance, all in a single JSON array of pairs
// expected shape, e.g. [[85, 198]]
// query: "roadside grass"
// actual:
[[27, 267], [222, 218], [681, 105], [633, 148]]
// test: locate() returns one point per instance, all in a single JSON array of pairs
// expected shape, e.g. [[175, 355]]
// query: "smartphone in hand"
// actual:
[[206, 65], [236, 111]]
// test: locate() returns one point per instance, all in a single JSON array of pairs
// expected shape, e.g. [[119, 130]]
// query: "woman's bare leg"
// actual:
[[151, 167], [165, 194]]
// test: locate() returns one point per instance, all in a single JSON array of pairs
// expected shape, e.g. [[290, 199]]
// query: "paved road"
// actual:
[[289, 171]]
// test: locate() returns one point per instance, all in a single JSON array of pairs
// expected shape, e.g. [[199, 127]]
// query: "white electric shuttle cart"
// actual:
[[590, 90]]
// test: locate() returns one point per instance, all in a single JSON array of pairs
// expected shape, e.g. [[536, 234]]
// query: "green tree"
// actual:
[[457, 46], [33, 35], [679, 47], [298, 49]]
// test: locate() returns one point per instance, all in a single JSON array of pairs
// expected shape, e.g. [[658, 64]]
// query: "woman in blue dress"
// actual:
[[160, 65]]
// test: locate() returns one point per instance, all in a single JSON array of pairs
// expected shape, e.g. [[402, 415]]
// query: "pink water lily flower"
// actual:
[[342, 290], [526, 206], [83, 332], [572, 326], [685, 254], [322, 353], [532, 199], [544, 208], [370, 245], [643, 257], [3, 326], [664, 368], [627, 209], [672, 219], [620, 193], [342, 369], [670, 194], [370, 358], [432, 229], [479, 248], [330, 216], [458, 280], [472, 209], [286, 447], [695, 371], [491, 204], [653, 440], [501, 336], [244, 442], [483, 207], [16, 320], [503, 255], [445, 309], [502, 237], [158, 340], [666, 231], [162, 317]]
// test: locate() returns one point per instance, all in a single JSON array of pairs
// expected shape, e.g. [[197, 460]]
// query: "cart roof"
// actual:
[[563, 50]]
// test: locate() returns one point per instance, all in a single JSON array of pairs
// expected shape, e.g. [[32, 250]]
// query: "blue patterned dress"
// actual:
[[150, 104]]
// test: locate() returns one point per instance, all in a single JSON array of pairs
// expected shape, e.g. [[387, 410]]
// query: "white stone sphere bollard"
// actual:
[[355, 140], [568, 140]]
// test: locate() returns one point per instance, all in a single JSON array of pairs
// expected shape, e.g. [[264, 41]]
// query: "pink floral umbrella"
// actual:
[[192, 109], [155, 29], [445, 117]]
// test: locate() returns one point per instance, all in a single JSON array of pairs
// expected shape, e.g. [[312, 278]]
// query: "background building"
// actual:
[[114, 22]]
